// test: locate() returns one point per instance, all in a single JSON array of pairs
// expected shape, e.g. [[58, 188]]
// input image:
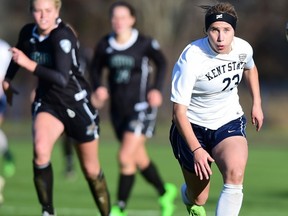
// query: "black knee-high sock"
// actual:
[[43, 181], [99, 190], [152, 176], [125, 186]]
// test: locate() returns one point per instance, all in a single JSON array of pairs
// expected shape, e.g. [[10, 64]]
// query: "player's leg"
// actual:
[[2, 184], [88, 155], [194, 193], [46, 130], [167, 192], [67, 145], [128, 168], [231, 156], [8, 160]]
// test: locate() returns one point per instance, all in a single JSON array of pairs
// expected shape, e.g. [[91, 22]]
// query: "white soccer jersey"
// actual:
[[206, 82], [5, 58]]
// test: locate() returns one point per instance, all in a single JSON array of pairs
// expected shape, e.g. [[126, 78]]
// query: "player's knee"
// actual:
[[127, 167], [125, 158], [235, 176], [91, 171]]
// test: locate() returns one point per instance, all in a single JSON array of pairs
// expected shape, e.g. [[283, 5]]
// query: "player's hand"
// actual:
[[201, 164], [22, 60], [257, 117], [99, 97], [9, 91], [154, 98]]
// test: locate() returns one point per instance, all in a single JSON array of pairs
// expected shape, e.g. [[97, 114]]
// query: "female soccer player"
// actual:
[[134, 101], [8, 160], [48, 49], [208, 122]]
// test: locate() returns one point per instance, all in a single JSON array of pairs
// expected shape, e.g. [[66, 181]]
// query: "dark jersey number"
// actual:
[[235, 79]]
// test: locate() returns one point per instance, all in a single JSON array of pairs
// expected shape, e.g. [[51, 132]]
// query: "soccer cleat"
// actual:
[[116, 211], [196, 210], [193, 210], [45, 213], [8, 168], [167, 200], [2, 183]]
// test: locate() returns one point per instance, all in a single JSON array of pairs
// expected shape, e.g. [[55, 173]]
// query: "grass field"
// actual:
[[265, 189]]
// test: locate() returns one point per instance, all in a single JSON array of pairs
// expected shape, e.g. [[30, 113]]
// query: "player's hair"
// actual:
[[222, 7], [58, 4], [122, 4]]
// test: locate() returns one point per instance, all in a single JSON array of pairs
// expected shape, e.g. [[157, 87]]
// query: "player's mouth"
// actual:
[[220, 47]]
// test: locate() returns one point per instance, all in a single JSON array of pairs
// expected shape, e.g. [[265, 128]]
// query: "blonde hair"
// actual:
[[58, 4]]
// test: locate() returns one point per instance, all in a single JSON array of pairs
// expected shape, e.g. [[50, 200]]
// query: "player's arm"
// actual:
[[201, 157], [100, 93], [21, 59], [154, 96], [155, 53], [252, 81]]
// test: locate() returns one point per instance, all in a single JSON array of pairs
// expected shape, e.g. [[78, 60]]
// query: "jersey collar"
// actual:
[[113, 43]]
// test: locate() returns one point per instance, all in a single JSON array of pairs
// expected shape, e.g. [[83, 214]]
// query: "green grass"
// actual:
[[265, 189]]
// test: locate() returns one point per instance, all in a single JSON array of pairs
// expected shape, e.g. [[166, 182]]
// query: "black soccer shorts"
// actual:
[[81, 122]]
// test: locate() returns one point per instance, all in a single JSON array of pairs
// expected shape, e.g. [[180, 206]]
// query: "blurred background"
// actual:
[[174, 24]]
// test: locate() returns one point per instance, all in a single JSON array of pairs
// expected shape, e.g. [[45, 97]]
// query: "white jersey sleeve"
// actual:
[[206, 82], [5, 58]]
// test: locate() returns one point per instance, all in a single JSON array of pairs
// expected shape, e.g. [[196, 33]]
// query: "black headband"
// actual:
[[220, 17]]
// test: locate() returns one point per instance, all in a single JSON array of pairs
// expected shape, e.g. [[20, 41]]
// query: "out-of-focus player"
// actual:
[[8, 163]]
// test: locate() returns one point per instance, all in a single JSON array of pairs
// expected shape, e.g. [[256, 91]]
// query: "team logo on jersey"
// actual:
[[242, 57], [71, 113], [155, 44], [65, 45], [32, 40]]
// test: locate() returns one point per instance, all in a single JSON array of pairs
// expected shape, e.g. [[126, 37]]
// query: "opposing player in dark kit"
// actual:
[[49, 50], [134, 101]]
